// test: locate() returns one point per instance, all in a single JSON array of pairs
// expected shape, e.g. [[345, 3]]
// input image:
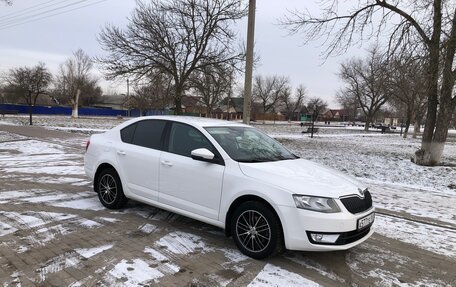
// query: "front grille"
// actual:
[[344, 238], [354, 204]]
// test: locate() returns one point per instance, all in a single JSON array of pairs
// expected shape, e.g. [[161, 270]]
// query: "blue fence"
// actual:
[[60, 110]]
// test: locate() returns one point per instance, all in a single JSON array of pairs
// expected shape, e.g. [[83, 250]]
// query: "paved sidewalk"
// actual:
[[38, 132]]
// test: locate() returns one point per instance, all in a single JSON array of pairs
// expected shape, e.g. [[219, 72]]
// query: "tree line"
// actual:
[[181, 44], [377, 82], [424, 30], [73, 84]]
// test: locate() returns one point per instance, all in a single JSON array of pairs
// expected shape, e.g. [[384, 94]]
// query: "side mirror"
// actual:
[[202, 154]]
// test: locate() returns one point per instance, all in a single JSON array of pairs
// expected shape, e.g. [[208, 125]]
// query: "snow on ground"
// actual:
[[89, 252], [371, 157], [272, 275], [381, 162], [432, 238], [183, 243], [134, 272], [416, 202]]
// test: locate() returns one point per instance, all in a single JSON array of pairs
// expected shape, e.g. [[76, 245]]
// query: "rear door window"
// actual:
[[149, 133]]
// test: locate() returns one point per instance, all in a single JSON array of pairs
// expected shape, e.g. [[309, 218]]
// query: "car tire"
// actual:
[[256, 230], [109, 189]]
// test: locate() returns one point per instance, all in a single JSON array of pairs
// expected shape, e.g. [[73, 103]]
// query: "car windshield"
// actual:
[[246, 144]]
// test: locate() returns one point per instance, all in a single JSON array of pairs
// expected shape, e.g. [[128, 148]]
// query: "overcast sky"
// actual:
[[52, 39]]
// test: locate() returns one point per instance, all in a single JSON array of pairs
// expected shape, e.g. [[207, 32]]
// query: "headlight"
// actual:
[[320, 204]]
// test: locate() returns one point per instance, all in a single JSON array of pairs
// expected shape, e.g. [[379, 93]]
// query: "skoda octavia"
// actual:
[[232, 176]]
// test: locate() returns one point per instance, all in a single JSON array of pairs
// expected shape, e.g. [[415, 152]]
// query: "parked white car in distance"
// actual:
[[232, 176]]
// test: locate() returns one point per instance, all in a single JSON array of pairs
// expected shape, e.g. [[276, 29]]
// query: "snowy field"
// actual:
[[371, 157], [45, 199]]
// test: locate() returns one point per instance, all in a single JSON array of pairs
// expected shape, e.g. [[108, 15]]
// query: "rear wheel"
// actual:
[[256, 230], [109, 188]]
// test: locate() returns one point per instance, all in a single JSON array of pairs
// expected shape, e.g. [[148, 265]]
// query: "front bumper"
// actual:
[[299, 223]]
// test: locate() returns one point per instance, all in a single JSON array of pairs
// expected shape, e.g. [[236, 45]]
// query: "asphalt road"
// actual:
[[54, 232]]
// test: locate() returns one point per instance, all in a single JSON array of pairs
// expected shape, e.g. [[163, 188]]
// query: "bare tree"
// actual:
[[175, 37], [268, 90], [367, 81], [407, 87], [154, 94], [74, 74], [425, 27], [29, 83], [316, 106], [293, 102], [212, 84], [349, 103]]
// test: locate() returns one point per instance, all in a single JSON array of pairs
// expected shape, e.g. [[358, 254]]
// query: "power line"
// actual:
[[26, 17], [24, 11], [10, 25]]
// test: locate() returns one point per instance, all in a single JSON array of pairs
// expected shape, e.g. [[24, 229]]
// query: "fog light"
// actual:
[[324, 238]]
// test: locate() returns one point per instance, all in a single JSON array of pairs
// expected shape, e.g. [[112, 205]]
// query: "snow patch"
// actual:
[[90, 252], [183, 243], [6, 229], [313, 265], [85, 204], [134, 272], [57, 264], [272, 275], [432, 238]]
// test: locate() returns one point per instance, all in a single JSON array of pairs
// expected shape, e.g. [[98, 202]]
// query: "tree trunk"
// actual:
[[75, 102], [367, 124], [178, 100], [30, 114], [408, 120], [427, 152], [30, 103], [416, 128]]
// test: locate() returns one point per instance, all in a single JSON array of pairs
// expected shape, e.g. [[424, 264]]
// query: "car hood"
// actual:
[[301, 176]]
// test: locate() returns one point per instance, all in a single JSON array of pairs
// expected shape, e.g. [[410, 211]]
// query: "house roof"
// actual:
[[236, 103], [336, 113]]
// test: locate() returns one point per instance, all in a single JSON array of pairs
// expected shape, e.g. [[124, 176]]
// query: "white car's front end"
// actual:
[[320, 209]]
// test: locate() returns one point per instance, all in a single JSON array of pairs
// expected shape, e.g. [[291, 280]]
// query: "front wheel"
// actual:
[[109, 188], [256, 230]]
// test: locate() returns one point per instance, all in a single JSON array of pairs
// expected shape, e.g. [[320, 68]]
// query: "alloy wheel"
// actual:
[[253, 231], [108, 188]]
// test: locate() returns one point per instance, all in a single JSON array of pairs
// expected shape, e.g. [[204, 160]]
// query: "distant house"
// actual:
[[340, 115], [192, 105], [230, 108]]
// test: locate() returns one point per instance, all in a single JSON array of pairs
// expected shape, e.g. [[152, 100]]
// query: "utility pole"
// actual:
[[128, 97], [249, 63]]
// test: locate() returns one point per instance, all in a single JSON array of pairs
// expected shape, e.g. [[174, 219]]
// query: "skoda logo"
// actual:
[[362, 192]]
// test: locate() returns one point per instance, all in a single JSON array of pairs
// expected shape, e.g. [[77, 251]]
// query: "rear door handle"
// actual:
[[121, 152], [167, 163]]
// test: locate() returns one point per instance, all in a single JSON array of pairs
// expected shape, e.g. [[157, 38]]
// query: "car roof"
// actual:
[[195, 121]]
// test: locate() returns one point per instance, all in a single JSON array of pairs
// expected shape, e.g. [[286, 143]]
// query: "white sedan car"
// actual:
[[232, 176]]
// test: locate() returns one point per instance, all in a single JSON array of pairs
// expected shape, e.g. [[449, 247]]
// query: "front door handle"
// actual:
[[167, 163], [121, 152]]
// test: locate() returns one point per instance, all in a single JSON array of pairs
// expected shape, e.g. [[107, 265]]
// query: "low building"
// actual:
[[335, 115]]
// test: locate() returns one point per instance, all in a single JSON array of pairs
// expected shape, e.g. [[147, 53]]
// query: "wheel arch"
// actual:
[[100, 168], [245, 198]]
